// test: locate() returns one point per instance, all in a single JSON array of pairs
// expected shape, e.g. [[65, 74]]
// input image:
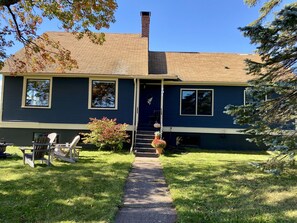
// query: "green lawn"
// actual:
[[87, 191], [222, 187]]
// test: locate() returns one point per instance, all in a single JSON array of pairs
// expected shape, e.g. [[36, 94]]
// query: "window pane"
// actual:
[[204, 106], [188, 103], [253, 97], [37, 93], [103, 94]]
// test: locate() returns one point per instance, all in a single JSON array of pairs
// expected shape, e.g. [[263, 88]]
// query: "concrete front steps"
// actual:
[[142, 147]]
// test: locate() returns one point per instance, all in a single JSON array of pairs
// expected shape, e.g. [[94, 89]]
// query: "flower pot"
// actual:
[[159, 151]]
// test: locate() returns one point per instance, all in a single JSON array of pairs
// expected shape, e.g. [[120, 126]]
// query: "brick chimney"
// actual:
[[145, 24]]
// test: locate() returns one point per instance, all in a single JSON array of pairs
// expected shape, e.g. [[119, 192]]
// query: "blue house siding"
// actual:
[[209, 141], [222, 97], [69, 102]]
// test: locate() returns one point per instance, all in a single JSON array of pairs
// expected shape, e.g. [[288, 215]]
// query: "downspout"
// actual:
[[137, 103], [161, 107], [2, 98], [134, 115]]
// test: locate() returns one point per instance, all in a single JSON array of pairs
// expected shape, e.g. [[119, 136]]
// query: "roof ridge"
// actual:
[[95, 33]]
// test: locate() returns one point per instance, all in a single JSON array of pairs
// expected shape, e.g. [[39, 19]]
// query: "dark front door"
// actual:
[[149, 105]]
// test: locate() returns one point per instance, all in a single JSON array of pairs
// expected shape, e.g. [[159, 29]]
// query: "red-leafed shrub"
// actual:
[[106, 134]]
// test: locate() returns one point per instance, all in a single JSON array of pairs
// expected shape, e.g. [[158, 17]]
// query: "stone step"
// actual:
[[143, 136], [144, 139], [145, 149], [145, 154], [146, 133], [141, 145], [143, 142]]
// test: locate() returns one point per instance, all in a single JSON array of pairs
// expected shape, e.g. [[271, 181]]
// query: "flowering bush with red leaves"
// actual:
[[106, 134]]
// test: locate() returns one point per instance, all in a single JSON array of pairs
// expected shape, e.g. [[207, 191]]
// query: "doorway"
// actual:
[[149, 104]]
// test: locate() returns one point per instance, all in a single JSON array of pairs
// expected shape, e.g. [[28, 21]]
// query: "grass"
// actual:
[[87, 191], [223, 187]]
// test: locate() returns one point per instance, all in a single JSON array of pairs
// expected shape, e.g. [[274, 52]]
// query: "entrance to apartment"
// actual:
[[149, 104]]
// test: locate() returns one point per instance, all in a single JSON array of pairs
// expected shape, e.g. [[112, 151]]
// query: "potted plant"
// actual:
[[158, 143]]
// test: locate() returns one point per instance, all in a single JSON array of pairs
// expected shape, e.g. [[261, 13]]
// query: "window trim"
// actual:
[[24, 94], [196, 89], [244, 97], [90, 93]]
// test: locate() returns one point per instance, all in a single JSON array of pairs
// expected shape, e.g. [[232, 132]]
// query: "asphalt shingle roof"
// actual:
[[120, 54], [128, 55], [201, 67]]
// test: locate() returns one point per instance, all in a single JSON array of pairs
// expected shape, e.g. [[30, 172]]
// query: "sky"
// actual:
[[183, 25]]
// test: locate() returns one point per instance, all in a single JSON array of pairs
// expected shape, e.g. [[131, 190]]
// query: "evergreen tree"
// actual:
[[271, 115]]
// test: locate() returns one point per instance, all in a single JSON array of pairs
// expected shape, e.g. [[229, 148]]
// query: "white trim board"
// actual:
[[202, 130], [95, 75], [2, 97], [24, 92], [67, 126], [38, 125], [90, 93], [207, 83]]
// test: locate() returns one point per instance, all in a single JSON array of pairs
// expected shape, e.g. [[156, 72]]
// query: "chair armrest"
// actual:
[[41, 144], [64, 146], [25, 148], [42, 150], [60, 145]]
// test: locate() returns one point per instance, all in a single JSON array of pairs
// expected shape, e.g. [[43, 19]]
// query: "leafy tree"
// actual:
[[22, 18], [271, 116]]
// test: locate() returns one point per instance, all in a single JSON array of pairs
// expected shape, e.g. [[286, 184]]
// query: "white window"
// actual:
[[196, 102], [249, 97], [103, 94], [37, 92]]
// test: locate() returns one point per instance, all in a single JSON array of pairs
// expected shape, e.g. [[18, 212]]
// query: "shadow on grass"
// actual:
[[216, 188], [173, 151], [87, 191]]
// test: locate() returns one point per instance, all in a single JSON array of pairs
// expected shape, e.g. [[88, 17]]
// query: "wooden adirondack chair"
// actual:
[[41, 150], [67, 152], [52, 138]]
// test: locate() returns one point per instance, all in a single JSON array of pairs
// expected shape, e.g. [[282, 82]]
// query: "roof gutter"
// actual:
[[122, 76]]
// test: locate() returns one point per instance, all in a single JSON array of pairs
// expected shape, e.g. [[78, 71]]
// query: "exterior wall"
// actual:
[[205, 132], [24, 137], [70, 106], [223, 95], [69, 102], [232, 142]]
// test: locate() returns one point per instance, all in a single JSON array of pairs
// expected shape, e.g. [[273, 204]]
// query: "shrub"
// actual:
[[106, 134]]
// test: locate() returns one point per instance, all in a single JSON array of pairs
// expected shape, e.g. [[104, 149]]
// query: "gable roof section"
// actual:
[[202, 67], [128, 55], [120, 54]]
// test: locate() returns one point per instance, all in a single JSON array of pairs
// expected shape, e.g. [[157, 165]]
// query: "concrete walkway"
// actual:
[[146, 198]]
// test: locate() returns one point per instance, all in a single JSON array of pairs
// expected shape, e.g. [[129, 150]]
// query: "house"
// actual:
[[184, 92]]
